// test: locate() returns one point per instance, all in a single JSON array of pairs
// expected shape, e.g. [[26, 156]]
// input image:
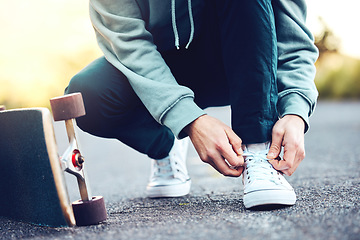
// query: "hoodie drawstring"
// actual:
[[173, 19], [192, 27]]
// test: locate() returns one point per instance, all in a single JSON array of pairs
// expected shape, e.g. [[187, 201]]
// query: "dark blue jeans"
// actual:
[[232, 61]]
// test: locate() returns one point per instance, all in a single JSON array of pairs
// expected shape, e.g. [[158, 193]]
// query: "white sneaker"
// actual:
[[169, 176], [263, 185]]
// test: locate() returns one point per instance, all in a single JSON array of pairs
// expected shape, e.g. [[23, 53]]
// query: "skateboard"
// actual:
[[32, 182]]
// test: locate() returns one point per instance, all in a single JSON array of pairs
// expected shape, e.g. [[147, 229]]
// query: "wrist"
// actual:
[[189, 128], [297, 119]]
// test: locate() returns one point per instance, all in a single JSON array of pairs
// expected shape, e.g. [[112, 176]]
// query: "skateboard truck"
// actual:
[[72, 161], [88, 210]]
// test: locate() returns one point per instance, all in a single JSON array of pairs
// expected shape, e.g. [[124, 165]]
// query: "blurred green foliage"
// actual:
[[338, 76], [339, 79]]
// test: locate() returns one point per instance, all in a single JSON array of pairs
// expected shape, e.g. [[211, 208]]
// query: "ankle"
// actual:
[[256, 147]]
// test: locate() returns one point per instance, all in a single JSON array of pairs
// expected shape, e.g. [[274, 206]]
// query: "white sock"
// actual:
[[256, 147]]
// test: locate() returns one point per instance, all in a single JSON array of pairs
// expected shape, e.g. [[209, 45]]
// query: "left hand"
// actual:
[[288, 132], [215, 141]]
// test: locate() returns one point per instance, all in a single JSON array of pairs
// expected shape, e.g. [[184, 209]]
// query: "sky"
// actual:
[[343, 17]]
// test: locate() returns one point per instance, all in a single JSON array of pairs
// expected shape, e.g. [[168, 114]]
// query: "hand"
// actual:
[[288, 132], [214, 141]]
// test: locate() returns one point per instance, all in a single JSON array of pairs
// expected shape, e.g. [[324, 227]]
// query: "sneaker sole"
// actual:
[[169, 191], [269, 197]]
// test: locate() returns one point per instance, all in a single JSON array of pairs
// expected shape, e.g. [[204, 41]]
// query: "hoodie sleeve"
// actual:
[[126, 44], [296, 58]]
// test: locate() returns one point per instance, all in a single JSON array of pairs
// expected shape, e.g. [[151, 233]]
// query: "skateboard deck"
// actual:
[[32, 184]]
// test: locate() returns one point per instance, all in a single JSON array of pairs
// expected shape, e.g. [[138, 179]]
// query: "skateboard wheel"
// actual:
[[89, 212], [67, 107], [2, 108]]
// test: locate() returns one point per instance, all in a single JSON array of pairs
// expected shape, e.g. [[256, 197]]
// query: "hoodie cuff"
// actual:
[[294, 104], [180, 115]]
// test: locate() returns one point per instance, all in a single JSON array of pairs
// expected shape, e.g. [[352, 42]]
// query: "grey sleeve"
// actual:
[[127, 44], [297, 54]]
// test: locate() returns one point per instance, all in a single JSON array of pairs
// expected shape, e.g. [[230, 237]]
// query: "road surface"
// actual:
[[327, 184]]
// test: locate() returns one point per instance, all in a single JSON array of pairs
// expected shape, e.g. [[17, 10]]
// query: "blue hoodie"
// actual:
[[132, 32]]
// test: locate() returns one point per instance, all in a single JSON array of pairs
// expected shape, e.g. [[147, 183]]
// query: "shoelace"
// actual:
[[163, 168], [258, 167]]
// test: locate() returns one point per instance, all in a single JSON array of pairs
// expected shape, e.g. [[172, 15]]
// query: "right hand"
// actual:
[[214, 141]]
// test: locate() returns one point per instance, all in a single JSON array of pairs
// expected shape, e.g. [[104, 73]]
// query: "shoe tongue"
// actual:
[[256, 147]]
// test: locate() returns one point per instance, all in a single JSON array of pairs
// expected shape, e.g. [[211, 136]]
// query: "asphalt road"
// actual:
[[327, 184]]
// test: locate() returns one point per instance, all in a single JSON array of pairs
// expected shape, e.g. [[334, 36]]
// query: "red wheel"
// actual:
[[89, 212], [2, 108], [67, 107]]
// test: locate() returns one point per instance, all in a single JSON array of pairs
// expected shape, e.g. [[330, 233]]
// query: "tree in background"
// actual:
[[338, 76], [326, 41]]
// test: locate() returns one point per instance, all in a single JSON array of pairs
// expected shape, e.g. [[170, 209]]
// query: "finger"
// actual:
[[225, 169], [239, 169], [235, 141], [276, 142], [214, 166], [227, 151], [288, 161], [300, 155], [281, 166], [219, 164], [275, 163], [231, 157]]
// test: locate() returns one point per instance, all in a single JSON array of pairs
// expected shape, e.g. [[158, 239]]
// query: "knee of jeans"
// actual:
[[103, 106], [90, 92], [80, 83]]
